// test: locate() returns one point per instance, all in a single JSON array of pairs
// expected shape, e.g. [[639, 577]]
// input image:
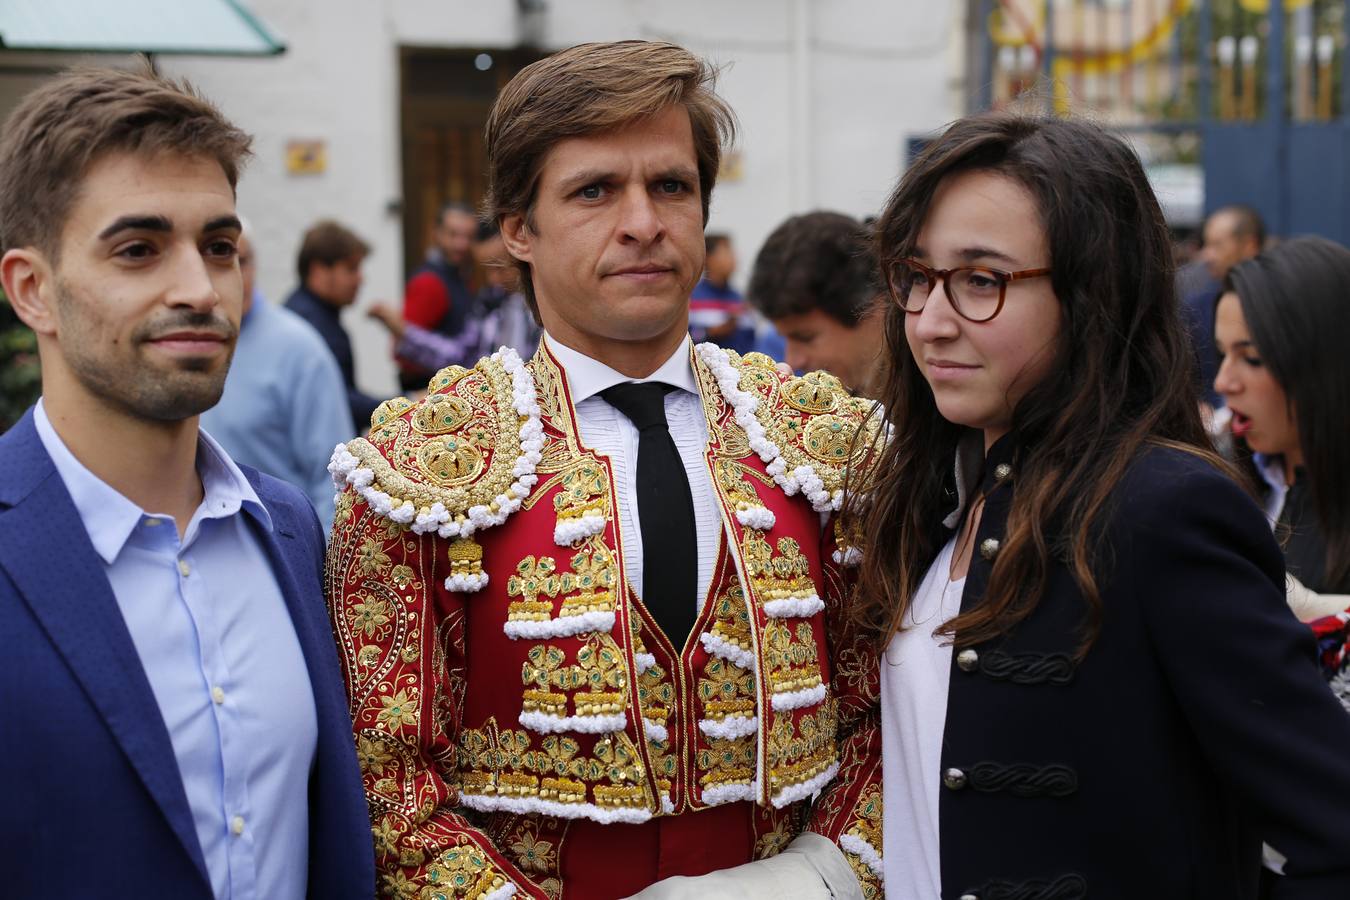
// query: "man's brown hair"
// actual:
[[327, 243], [588, 89], [58, 130]]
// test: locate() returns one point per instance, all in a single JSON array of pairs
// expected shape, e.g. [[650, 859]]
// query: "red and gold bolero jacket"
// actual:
[[502, 671]]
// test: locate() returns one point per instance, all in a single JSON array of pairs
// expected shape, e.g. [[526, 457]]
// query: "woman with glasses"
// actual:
[[1281, 327], [1090, 685]]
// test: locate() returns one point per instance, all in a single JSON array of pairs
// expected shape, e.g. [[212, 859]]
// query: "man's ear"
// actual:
[[517, 237], [30, 286]]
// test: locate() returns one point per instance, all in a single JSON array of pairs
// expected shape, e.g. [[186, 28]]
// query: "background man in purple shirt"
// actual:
[[174, 725]]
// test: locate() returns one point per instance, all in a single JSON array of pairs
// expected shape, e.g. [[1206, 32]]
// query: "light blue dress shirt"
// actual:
[[220, 651], [284, 406]]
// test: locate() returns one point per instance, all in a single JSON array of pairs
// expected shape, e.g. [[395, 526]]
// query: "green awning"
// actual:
[[208, 27]]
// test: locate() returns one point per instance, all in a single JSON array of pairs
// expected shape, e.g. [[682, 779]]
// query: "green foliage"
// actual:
[[20, 375]]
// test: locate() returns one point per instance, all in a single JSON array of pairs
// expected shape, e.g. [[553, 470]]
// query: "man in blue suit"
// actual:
[[172, 722]]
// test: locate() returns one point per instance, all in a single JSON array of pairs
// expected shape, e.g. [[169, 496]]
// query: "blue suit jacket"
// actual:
[[91, 801]]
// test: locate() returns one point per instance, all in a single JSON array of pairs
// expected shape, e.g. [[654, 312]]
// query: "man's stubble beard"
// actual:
[[130, 384]]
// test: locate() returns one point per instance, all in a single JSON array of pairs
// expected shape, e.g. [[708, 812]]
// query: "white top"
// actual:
[[915, 671], [1271, 470], [607, 431]]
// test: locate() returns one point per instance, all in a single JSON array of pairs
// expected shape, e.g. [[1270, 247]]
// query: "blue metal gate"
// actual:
[[1252, 92]]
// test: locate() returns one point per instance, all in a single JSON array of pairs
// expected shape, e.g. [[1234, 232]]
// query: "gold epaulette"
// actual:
[[814, 422], [457, 461]]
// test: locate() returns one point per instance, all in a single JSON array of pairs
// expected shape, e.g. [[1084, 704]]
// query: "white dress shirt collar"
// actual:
[[110, 518], [587, 377], [1271, 470]]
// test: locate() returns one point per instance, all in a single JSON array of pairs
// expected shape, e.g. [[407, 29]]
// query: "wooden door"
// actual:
[[446, 98]]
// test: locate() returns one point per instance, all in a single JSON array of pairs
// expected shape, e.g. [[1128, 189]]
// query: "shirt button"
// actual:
[[183, 568], [967, 660], [954, 779], [970, 897], [151, 523], [218, 695], [237, 825], [989, 548], [1002, 471]]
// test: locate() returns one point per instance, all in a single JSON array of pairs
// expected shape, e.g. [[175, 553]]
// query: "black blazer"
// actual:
[[1196, 727]]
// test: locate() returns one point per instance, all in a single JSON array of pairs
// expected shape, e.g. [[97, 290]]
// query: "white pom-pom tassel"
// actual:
[[758, 517], [466, 584]]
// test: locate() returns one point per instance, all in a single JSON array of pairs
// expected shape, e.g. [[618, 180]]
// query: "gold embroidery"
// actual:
[[621, 764], [594, 575], [371, 560], [513, 763], [847, 533], [726, 689], [867, 825], [543, 668], [727, 761], [599, 669], [554, 458], [458, 451], [373, 754], [399, 709], [534, 576], [656, 698], [732, 623], [466, 558], [733, 442], [814, 393], [867, 880], [585, 490], [345, 501], [655, 694], [385, 836], [829, 439], [464, 872], [734, 477], [793, 664], [552, 407], [590, 582], [811, 419], [450, 461], [759, 374], [729, 438], [387, 420], [402, 576], [783, 576], [534, 855], [443, 413], [369, 615], [801, 745], [398, 886], [772, 843]]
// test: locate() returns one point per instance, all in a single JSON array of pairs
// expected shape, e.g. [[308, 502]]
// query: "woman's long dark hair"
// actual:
[[1121, 377], [1296, 300]]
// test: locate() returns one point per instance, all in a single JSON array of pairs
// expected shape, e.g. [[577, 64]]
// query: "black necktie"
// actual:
[[665, 511]]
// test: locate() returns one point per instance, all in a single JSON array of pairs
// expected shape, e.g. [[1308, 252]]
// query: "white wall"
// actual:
[[827, 93], [336, 82]]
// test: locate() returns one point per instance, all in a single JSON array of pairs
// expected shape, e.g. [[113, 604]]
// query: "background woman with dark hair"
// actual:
[[1281, 327], [1091, 685]]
